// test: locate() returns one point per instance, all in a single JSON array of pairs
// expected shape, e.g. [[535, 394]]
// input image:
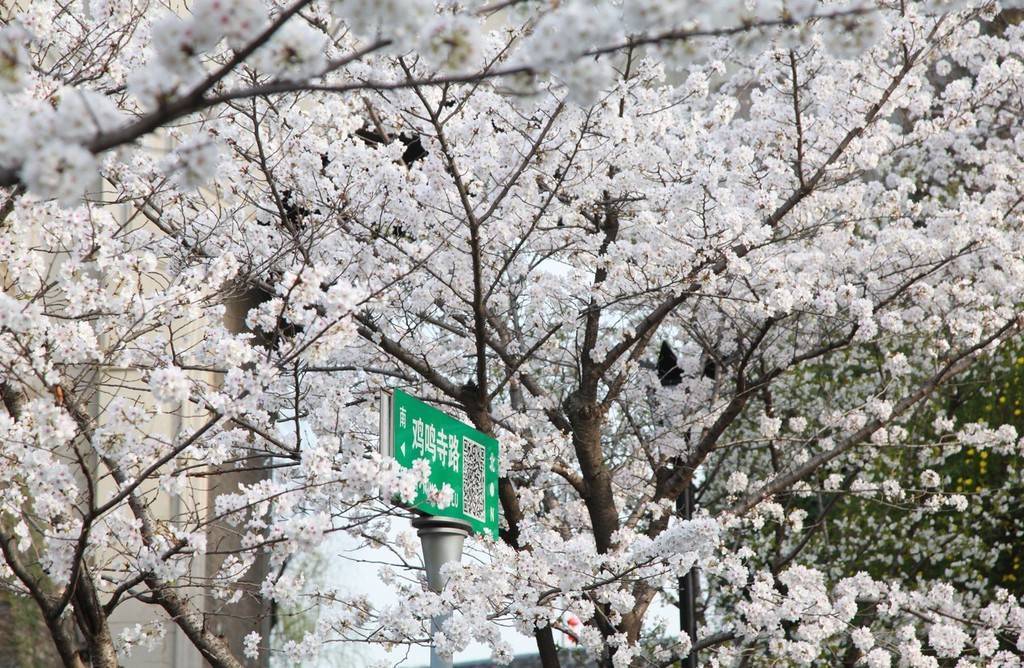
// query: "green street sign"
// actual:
[[460, 456]]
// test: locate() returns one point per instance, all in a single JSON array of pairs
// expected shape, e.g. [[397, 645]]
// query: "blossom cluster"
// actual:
[[659, 255]]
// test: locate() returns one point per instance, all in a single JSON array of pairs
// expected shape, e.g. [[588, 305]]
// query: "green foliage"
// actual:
[[24, 639], [975, 550]]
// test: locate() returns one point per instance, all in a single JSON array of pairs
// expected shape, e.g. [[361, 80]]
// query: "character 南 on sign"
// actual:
[[459, 456]]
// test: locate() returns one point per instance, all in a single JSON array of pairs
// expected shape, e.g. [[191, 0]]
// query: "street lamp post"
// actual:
[[461, 458], [670, 374], [441, 539]]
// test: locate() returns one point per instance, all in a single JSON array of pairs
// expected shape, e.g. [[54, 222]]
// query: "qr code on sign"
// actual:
[[474, 457]]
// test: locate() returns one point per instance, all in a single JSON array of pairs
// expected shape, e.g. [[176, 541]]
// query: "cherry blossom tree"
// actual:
[[649, 246]]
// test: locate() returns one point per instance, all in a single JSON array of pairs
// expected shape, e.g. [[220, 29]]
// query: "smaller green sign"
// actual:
[[459, 456]]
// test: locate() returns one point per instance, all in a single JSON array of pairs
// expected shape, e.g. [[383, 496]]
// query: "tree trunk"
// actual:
[[92, 621], [586, 420]]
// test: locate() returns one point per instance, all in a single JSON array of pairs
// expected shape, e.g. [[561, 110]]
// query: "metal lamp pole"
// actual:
[[688, 587], [441, 539], [670, 374]]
